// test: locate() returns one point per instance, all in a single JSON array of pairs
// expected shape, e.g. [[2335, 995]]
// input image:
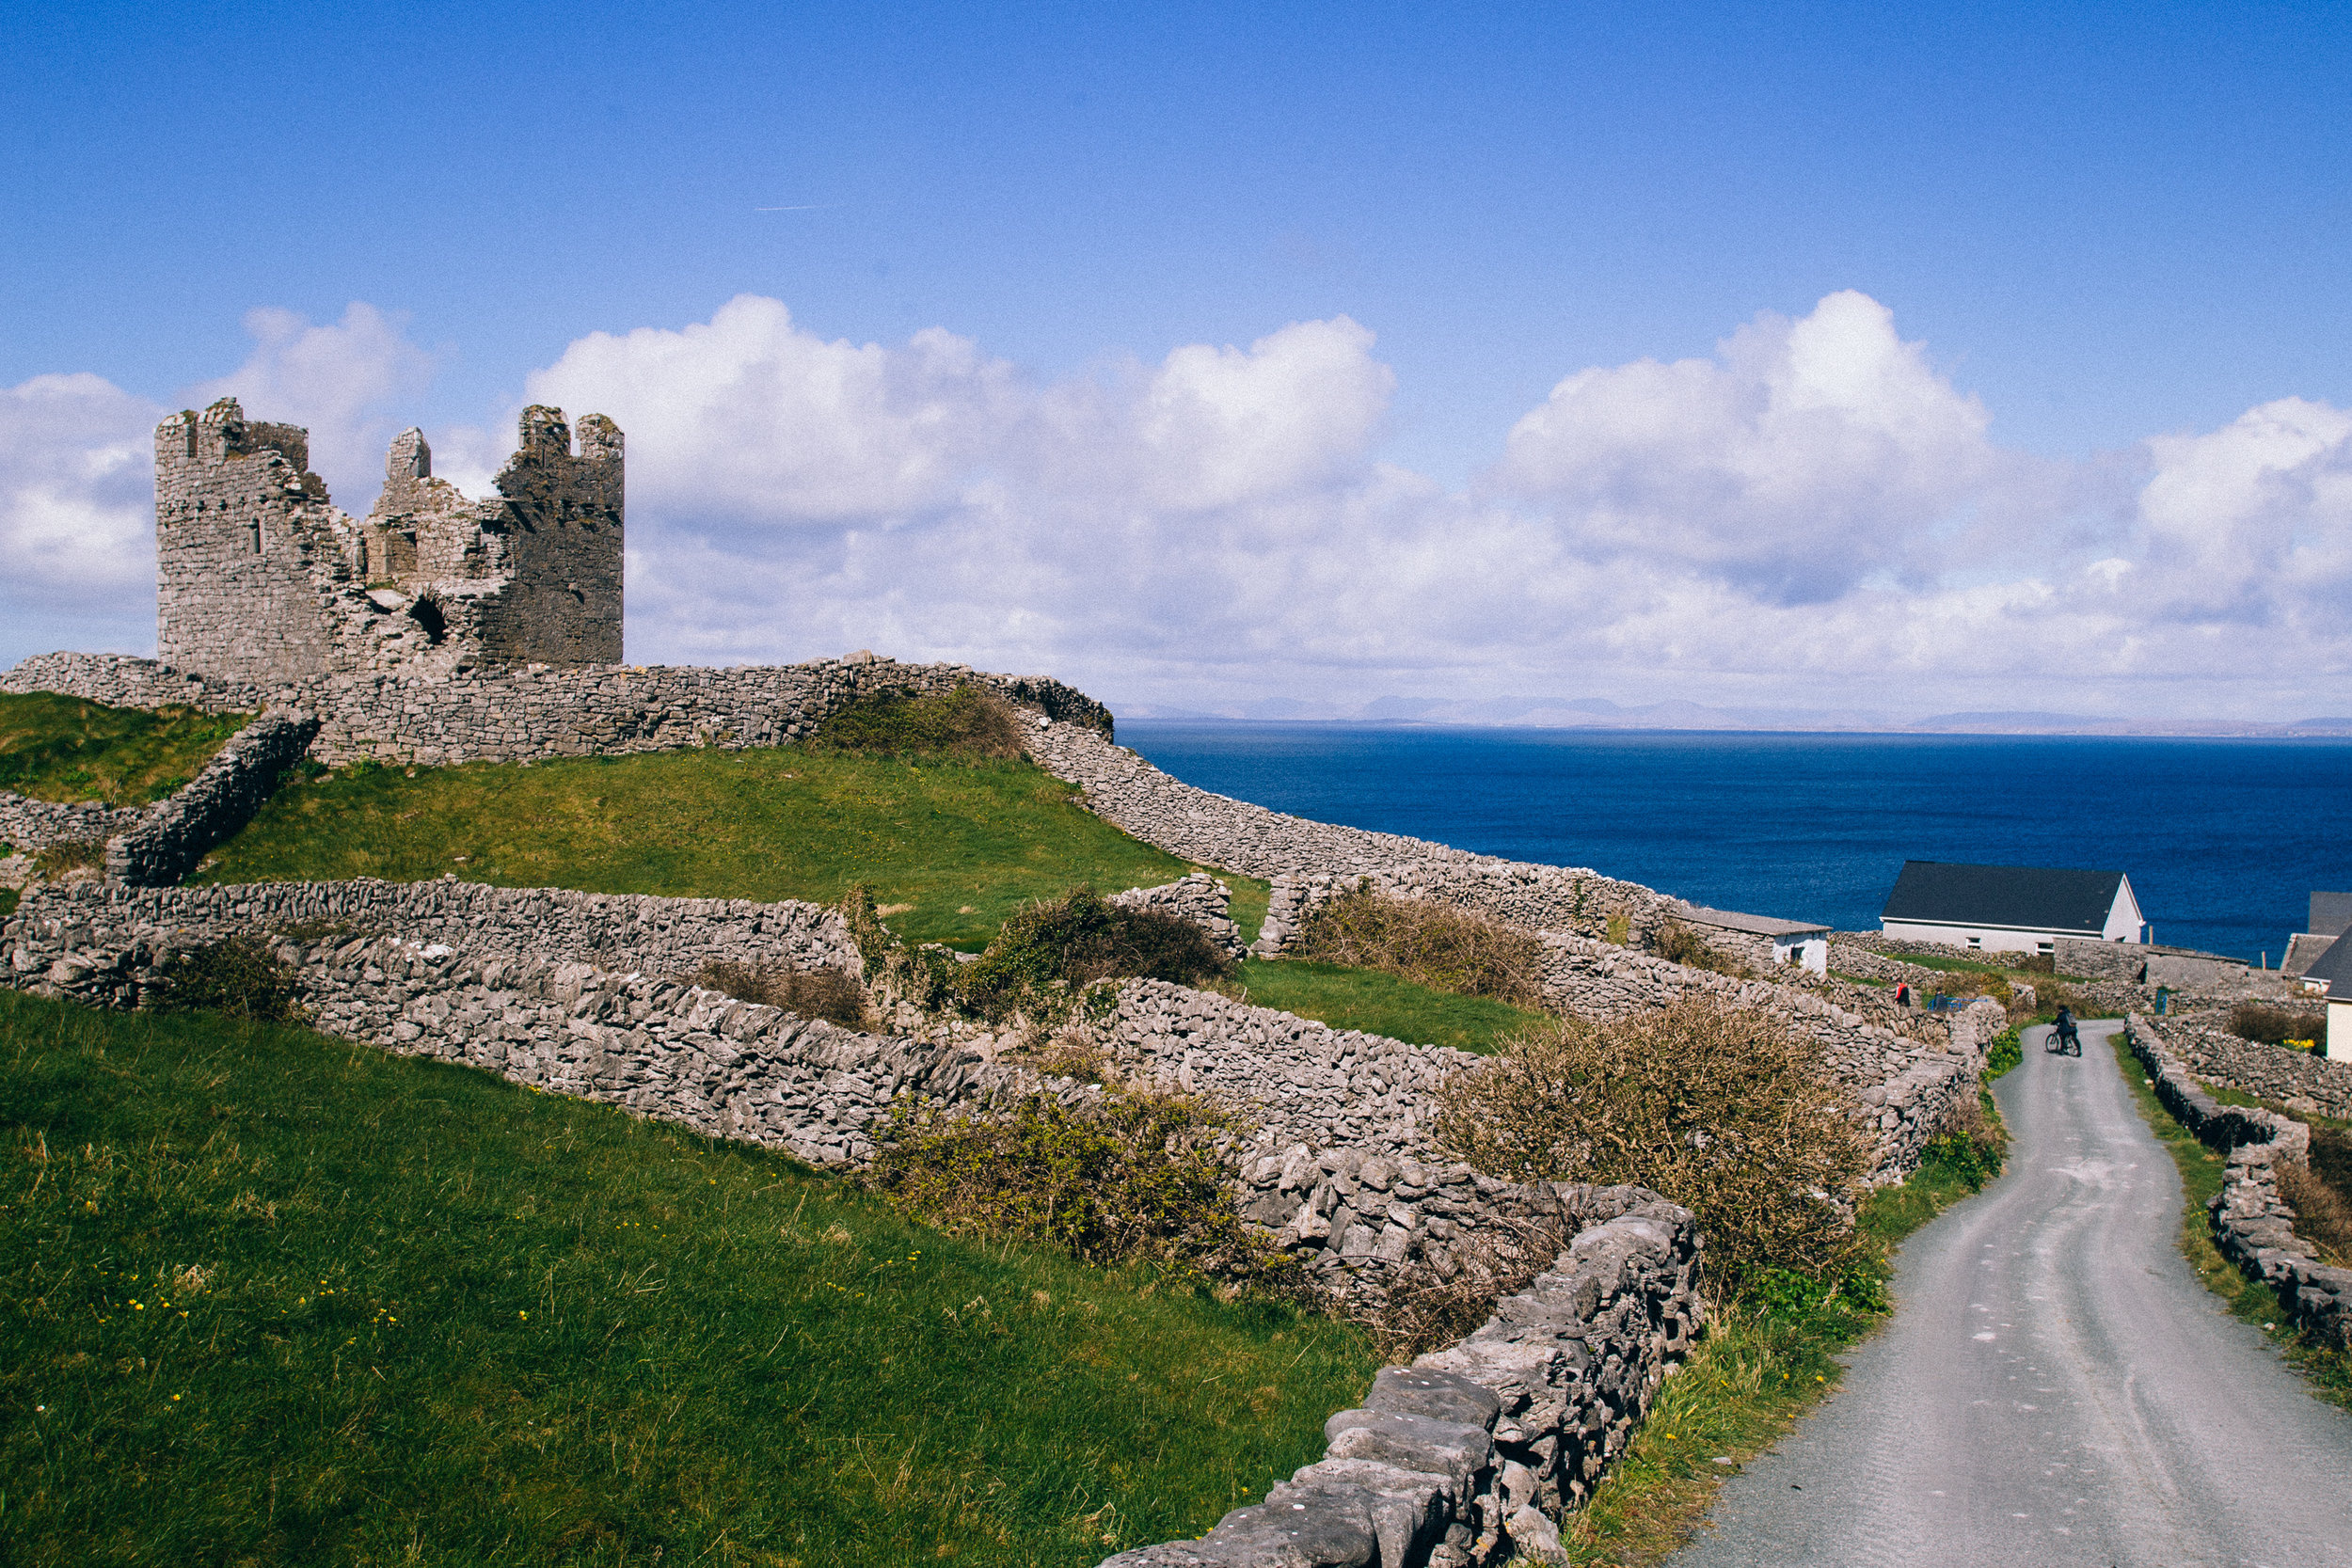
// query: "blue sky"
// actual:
[[2101, 224]]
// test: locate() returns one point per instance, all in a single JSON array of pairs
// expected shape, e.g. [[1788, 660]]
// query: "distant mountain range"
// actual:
[[1600, 713]]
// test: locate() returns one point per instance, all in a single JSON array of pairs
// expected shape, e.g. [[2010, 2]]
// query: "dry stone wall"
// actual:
[[2252, 1225], [2272, 1071], [1200, 898], [577, 993], [32, 825], [523, 715], [623, 933], [1216, 829], [1466, 1458], [172, 835], [157, 845]]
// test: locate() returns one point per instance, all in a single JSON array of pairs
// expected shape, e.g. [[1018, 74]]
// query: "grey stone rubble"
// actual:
[[2252, 1227], [530, 713], [1468, 1456], [2272, 1071]]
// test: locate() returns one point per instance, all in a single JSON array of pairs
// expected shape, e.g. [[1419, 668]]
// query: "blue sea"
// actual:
[[2224, 840]]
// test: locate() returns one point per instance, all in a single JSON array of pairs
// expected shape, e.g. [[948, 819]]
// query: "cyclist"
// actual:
[[2063, 1033]]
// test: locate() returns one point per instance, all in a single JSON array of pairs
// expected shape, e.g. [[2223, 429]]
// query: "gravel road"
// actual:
[[2055, 1386]]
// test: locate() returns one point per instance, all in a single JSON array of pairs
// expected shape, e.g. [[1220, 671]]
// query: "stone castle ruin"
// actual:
[[263, 580]]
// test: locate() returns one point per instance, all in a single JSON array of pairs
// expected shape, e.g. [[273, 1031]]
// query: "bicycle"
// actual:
[[2064, 1041]]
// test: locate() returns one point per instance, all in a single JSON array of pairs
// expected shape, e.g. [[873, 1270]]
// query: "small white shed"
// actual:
[[1762, 936]]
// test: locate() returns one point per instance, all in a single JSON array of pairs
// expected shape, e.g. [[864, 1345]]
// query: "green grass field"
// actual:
[[57, 748], [267, 1297], [962, 845], [1379, 1003]]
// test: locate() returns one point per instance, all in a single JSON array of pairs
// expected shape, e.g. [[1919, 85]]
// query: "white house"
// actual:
[[1802, 942], [2011, 909], [2331, 975]]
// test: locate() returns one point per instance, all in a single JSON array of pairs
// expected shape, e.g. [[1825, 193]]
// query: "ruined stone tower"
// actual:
[[260, 578]]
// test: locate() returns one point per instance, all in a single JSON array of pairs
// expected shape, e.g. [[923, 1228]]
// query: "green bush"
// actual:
[[1126, 1178], [2008, 1052], [828, 993], [236, 977], [1431, 944], [1719, 1108], [1042, 960], [969, 721]]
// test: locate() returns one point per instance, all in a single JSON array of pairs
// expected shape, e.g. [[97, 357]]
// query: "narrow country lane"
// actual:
[[2055, 1386]]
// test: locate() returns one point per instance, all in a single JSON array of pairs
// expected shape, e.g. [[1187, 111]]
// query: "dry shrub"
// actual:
[[828, 993], [56, 859], [969, 721], [2323, 1213], [1431, 944], [1128, 1176], [2275, 1025], [1719, 1108], [236, 977], [1972, 982], [1679, 943], [1425, 1309]]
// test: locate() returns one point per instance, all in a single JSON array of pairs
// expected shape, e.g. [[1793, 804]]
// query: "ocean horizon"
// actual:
[[2223, 839]]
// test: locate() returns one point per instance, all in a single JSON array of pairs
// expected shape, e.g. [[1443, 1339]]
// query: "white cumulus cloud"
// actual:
[[77, 486], [342, 381], [1814, 516]]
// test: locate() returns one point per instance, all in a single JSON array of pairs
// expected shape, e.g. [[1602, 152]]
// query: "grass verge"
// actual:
[[1381, 1003], [54, 747], [2327, 1371], [267, 1297], [1765, 1361], [957, 846]]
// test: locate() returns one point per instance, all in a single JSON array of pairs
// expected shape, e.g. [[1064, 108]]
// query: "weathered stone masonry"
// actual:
[[262, 580]]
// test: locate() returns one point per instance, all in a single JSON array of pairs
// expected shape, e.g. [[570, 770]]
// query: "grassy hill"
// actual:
[[957, 846], [273, 1298], [951, 846], [54, 747]]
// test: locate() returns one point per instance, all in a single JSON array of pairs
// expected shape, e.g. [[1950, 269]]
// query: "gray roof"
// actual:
[[2335, 967], [2030, 897], [2331, 914], [2303, 950], [1758, 925]]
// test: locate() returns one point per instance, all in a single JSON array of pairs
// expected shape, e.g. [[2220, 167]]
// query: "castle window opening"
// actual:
[[428, 615], [254, 529]]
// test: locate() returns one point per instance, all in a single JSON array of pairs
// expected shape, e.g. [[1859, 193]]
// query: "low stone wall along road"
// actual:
[[2056, 1387]]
